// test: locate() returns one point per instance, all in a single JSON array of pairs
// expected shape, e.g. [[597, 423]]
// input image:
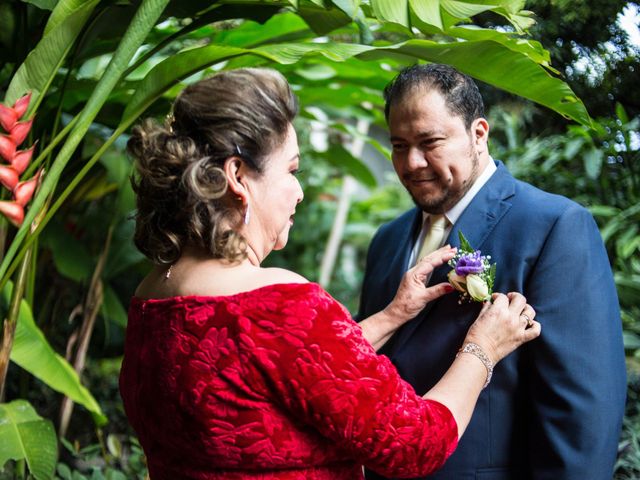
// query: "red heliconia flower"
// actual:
[[8, 117], [21, 160], [16, 132], [20, 131], [24, 190], [7, 148], [8, 177], [13, 211], [22, 104]]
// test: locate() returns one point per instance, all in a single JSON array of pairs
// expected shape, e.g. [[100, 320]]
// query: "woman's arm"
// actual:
[[411, 298], [321, 370], [499, 329]]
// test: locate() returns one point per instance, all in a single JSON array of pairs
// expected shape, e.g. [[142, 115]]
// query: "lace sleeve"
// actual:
[[314, 360]]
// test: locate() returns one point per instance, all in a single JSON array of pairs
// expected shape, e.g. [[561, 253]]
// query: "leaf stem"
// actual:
[[11, 321]]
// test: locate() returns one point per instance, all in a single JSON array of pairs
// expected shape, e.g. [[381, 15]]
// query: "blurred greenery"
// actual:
[[338, 59]]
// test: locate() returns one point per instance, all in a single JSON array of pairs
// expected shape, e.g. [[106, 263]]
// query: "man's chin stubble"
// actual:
[[444, 203], [432, 206]]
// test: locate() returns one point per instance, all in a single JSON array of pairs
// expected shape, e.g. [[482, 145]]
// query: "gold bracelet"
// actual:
[[474, 349]]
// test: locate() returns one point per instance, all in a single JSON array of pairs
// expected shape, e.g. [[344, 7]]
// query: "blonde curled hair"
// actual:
[[180, 185]]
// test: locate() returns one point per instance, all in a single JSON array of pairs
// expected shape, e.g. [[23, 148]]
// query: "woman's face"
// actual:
[[273, 197]]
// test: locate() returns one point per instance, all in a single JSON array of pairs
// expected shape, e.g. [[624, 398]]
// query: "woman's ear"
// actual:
[[235, 171]]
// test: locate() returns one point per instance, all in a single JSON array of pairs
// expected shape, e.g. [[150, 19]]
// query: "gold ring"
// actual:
[[529, 321]]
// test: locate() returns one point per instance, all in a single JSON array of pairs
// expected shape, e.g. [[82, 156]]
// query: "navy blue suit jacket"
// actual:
[[554, 407]]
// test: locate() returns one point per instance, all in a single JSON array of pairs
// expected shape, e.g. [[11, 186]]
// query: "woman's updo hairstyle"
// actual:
[[180, 184]]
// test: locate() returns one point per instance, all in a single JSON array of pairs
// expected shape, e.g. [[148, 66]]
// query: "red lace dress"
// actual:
[[275, 383]]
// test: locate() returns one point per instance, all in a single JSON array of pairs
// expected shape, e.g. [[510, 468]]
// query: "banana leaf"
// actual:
[[32, 352], [27, 436]]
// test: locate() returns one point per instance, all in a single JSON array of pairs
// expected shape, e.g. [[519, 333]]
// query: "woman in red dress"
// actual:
[[234, 371]]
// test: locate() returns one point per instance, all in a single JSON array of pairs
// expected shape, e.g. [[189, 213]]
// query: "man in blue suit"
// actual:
[[554, 407]]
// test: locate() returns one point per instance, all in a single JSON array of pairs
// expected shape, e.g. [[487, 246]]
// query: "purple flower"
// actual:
[[469, 263]]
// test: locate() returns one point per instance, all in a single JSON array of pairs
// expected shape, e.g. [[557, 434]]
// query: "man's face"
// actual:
[[436, 158]]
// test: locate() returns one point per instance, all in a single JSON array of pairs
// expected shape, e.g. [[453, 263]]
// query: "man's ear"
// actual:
[[236, 170], [480, 132]]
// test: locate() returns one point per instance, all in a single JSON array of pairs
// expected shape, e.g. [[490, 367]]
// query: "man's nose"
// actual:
[[416, 159]]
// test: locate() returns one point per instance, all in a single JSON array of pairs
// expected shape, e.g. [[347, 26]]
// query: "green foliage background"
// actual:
[[96, 66]]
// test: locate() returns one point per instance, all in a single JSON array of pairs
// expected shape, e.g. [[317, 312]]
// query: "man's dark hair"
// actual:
[[460, 92]]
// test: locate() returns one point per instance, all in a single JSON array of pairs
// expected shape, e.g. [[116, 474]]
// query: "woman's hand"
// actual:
[[410, 299], [501, 327], [413, 294], [504, 325]]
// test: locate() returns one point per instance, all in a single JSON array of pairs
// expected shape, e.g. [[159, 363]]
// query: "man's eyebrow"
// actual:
[[420, 135]]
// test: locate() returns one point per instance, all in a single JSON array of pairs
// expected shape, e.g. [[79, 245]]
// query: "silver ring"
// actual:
[[529, 321]]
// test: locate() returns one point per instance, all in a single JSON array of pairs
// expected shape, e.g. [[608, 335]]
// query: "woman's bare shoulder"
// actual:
[[212, 279], [271, 276]]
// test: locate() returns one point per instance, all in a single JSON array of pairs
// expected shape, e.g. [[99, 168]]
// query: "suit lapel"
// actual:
[[476, 222], [485, 211], [404, 246]]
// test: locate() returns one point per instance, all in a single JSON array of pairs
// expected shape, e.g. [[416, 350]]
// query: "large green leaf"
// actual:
[[529, 47], [290, 53], [32, 352], [340, 157], [394, 11], [350, 7], [324, 21], [70, 254], [344, 98], [26, 435], [442, 14], [112, 309], [513, 11], [493, 63], [279, 28], [372, 76], [42, 63], [428, 12], [63, 9], [464, 9]]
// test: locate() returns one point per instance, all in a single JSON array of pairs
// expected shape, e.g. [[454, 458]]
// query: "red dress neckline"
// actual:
[[203, 298]]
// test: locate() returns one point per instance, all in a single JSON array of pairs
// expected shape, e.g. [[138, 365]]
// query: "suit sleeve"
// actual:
[[576, 367], [320, 368]]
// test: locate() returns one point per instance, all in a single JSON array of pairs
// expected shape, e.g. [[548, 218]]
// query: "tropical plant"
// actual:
[[27, 436]]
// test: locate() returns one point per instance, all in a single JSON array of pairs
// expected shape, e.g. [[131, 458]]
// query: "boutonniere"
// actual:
[[472, 275]]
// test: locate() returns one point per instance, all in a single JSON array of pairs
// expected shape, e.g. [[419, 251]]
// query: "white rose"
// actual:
[[457, 281], [477, 287]]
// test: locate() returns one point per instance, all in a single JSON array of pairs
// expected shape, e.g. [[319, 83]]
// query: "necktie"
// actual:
[[435, 235]]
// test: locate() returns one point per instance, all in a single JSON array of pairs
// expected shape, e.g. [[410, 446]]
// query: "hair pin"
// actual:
[[170, 119], [238, 150]]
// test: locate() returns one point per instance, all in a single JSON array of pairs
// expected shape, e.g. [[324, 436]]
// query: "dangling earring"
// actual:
[[246, 215]]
